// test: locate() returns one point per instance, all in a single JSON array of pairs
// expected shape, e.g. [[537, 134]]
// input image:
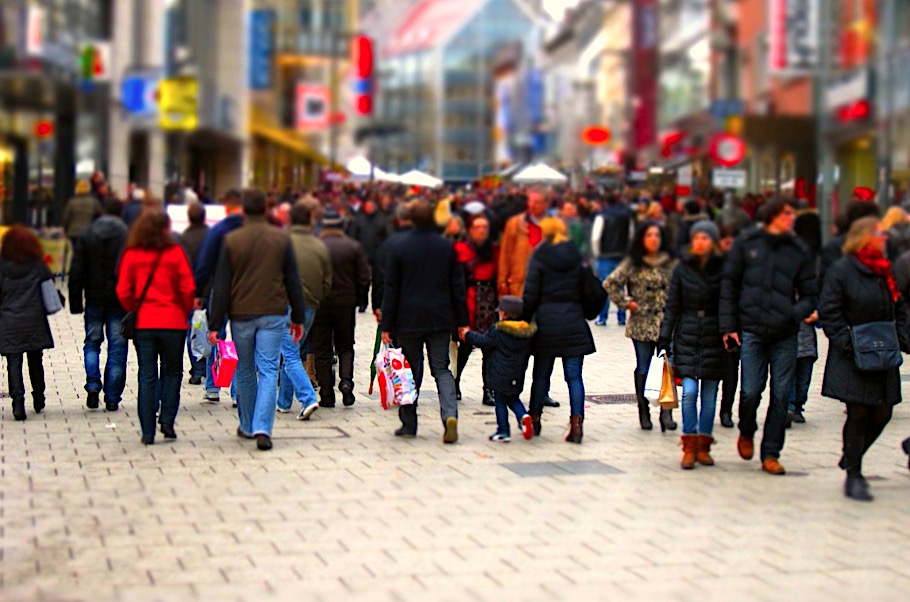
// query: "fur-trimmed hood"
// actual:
[[517, 328]]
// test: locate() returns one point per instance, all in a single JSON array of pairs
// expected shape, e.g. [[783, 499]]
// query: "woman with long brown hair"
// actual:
[[155, 265], [23, 319]]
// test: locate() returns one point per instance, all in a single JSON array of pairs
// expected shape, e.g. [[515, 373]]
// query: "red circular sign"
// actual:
[[44, 129], [727, 150], [595, 135]]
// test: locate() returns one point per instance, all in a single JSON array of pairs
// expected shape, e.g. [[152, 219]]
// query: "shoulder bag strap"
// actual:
[[148, 282]]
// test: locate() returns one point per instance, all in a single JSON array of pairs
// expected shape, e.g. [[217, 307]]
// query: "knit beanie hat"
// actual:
[[706, 227]]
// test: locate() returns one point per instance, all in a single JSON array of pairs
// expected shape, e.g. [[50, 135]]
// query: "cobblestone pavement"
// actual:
[[340, 509]]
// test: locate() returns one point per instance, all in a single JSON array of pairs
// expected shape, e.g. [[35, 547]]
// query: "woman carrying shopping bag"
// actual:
[[23, 317], [690, 323], [639, 285], [860, 294], [156, 283]]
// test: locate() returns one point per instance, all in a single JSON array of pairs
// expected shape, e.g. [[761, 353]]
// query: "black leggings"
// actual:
[[35, 374], [464, 352], [863, 426]]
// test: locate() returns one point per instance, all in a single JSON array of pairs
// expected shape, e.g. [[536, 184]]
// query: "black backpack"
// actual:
[[593, 294]]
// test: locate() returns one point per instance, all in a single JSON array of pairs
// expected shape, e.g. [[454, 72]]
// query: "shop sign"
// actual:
[[847, 89], [313, 107], [727, 150], [793, 33], [33, 19], [729, 178], [262, 48], [139, 95], [178, 102]]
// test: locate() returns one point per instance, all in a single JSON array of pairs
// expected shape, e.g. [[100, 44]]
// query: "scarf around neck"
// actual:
[[880, 266]]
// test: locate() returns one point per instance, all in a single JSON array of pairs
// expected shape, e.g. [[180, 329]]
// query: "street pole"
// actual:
[[333, 102], [824, 158], [885, 115]]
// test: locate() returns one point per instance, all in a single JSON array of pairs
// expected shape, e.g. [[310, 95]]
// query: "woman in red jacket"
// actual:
[[152, 258], [479, 257]]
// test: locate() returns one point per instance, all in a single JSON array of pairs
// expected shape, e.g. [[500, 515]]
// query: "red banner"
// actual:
[[643, 75]]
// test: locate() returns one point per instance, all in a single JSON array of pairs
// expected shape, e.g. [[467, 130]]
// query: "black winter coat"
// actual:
[[350, 270], [690, 319], [23, 321], [510, 345], [769, 285], [853, 295], [95, 261], [370, 231], [552, 297], [424, 289]]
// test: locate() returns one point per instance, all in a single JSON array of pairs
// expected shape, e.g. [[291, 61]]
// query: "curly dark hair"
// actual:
[[637, 247], [151, 230], [20, 245]]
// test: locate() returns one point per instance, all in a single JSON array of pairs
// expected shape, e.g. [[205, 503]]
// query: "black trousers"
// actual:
[[464, 353], [729, 382], [333, 332], [863, 426], [35, 374]]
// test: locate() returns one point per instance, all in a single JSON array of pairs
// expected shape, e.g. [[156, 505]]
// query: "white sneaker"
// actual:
[[306, 412], [283, 411], [500, 437]]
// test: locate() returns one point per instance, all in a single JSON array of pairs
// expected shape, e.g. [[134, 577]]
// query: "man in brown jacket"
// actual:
[[255, 281], [520, 236], [80, 211]]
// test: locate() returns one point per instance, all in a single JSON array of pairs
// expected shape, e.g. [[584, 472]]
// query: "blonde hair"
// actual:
[[554, 230], [894, 216], [860, 233], [83, 187]]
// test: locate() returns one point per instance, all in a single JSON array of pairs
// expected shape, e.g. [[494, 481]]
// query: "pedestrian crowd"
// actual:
[[730, 291]]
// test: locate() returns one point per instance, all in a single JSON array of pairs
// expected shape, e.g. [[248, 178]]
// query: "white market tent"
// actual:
[[418, 178], [360, 169], [540, 172]]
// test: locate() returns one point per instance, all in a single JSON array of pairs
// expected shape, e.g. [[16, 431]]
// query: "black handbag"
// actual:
[[876, 347], [593, 294], [128, 322]]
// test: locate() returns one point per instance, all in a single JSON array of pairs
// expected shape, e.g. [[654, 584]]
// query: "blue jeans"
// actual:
[[644, 351], [151, 346], [693, 421], [605, 267], [98, 322], [504, 403], [800, 393], [757, 356], [258, 344], [540, 385], [294, 378]]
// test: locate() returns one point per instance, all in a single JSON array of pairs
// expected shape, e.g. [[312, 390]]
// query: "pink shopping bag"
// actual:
[[225, 363]]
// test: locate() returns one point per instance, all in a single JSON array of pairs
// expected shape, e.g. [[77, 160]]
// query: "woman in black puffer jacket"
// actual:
[[24, 329], [691, 323], [552, 297], [859, 289]]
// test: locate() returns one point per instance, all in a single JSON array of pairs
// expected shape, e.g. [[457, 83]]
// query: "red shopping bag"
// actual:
[[225, 363]]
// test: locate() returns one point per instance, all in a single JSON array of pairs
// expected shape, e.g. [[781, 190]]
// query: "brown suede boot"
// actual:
[[535, 422], [688, 444], [309, 365], [576, 432], [703, 450]]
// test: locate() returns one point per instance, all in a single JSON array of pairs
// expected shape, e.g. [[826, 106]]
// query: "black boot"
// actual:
[[644, 413], [726, 412], [857, 488], [457, 389], [906, 447], [666, 420], [38, 402], [488, 398], [19, 408], [408, 416]]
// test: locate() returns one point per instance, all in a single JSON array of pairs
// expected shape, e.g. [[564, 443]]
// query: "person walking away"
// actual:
[[833, 249], [192, 239], [508, 343], [769, 287], [23, 319], [134, 205], [730, 380], [552, 299], [479, 258], [314, 267], [255, 281], [860, 289], [610, 235], [93, 290], [156, 282], [80, 211], [690, 323], [204, 271], [370, 227], [896, 225], [422, 304], [333, 326], [639, 285]]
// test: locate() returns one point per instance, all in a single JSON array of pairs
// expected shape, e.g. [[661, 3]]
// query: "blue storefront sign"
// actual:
[[262, 48]]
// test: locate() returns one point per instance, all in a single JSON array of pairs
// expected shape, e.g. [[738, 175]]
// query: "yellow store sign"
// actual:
[[179, 103]]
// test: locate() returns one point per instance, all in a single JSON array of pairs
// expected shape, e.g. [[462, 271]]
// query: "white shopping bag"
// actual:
[[199, 343], [654, 380], [396, 381]]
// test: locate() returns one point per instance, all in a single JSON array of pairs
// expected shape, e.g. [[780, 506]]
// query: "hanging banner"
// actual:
[[793, 35], [643, 78], [262, 48]]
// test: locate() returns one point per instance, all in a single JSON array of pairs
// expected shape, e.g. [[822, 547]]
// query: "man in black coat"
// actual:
[[94, 275], [370, 228], [423, 302], [766, 271]]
